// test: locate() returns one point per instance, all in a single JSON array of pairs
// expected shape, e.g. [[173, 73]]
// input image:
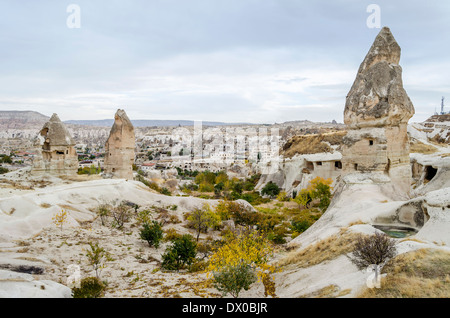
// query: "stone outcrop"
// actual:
[[120, 148], [377, 97], [376, 113], [56, 154]]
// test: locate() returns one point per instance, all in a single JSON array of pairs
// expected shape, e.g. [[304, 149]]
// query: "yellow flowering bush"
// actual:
[[246, 250], [318, 188], [60, 218]]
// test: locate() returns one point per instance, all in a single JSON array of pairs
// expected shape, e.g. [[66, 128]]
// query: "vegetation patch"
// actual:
[[419, 147], [324, 250], [310, 144], [330, 291], [419, 274]]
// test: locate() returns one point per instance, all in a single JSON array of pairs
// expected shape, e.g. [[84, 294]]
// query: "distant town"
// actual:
[[190, 147]]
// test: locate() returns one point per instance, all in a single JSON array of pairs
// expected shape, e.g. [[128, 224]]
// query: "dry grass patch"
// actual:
[[424, 273], [310, 144], [330, 291], [358, 222], [325, 250], [419, 147], [69, 207]]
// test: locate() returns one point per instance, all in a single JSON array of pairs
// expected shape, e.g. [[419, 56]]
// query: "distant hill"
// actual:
[[439, 118], [148, 123], [13, 119], [30, 119]]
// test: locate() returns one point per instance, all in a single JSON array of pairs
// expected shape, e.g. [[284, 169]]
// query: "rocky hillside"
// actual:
[[22, 119], [439, 118], [314, 143]]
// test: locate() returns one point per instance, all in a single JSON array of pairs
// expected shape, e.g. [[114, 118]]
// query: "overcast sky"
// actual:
[[258, 61]]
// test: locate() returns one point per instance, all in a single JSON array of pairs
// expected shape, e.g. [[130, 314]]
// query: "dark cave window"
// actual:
[[430, 172]]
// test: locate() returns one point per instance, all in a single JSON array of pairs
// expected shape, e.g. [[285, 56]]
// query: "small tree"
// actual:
[[152, 233], [283, 196], [103, 212], [182, 252], [321, 189], [234, 264], [303, 198], [60, 218], [203, 219], [243, 214], [374, 250], [318, 189], [232, 279], [96, 256], [166, 191], [270, 189], [121, 214]]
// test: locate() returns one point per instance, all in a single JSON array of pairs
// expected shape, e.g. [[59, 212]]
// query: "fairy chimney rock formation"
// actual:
[[56, 154], [377, 112], [120, 148]]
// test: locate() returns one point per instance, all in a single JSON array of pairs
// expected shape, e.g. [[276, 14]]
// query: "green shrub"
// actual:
[[254, 198], [96, 257], [206, 177], [198, 266], [278, 234], [270, 189], [170, 235], [143, 216], [89, 170], [206, 187], [243, 215], [103, 211], [318, 189], [283, 196], [5, 159], [150, 184], [203, 219], [90, 287], [219, 187], [267, 222], [165, 191], [182, 252], [302, 222], [233, 279], [248, 186], [152, 233]]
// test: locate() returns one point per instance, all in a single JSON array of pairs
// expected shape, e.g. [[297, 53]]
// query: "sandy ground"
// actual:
[[131, 269], [28, 237]]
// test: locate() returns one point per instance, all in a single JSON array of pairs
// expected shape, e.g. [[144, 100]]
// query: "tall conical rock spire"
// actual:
[[56, 132], [377, 96], [377, 111], [120, 147], [56, 154]]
